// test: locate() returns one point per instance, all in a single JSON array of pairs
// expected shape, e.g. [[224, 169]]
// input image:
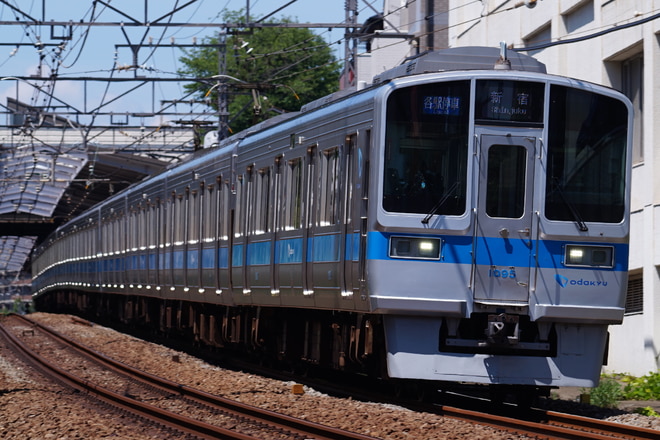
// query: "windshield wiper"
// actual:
[[574, 212], [442, 200]]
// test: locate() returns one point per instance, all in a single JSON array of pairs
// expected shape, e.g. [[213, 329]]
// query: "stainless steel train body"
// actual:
[[460, 223]]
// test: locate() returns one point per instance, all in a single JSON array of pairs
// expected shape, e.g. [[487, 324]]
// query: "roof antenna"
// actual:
[[503, 63]]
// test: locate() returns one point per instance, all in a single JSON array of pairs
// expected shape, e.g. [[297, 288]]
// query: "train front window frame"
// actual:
[[586, 171], [426, 148]]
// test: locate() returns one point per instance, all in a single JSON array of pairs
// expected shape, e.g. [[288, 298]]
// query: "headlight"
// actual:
[[590, 256], [415, 247]]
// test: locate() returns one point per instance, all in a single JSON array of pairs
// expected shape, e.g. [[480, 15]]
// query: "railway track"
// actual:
[[556, 426], [28, 333], [155, 399]]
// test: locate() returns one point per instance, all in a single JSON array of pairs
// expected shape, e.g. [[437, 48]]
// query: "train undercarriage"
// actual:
[[291, 339], [342, 341]]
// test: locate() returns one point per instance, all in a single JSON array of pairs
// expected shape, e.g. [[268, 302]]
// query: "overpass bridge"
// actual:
[[54, 170]]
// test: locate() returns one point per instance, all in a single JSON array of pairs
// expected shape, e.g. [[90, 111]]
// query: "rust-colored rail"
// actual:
[[614, 430], [185, 424], [559, 426]]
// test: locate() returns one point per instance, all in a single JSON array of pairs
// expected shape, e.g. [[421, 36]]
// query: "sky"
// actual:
[[94, 53]]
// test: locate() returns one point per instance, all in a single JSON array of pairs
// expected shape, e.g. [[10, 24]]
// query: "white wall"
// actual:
[[635, 345]]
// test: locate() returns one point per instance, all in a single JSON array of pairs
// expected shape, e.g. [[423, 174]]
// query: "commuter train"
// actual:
[[465, 218]]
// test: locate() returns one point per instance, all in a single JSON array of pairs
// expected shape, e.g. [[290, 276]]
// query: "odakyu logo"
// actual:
[[563, 282]]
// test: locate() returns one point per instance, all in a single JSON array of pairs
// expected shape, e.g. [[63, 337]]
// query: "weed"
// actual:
[[607, 393], [642, 388], [647, 411]]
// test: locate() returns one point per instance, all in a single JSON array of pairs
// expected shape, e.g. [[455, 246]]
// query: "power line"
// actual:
[[587, 37]]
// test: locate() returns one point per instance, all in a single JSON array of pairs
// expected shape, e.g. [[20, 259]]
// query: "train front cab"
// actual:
[[505, 260]]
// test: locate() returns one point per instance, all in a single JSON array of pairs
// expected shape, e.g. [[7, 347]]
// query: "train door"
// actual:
[[504, 226]]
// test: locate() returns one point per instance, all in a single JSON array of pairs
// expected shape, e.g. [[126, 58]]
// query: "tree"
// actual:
[[286, 67]]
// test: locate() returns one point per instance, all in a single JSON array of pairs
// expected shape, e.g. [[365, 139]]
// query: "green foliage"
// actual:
[[647, 411], [610, 390], [607, 393], [291, 66], [16, 307], [642, 388]]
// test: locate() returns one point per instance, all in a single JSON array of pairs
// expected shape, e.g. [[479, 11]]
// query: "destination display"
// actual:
[[442, 105], [509, 101]]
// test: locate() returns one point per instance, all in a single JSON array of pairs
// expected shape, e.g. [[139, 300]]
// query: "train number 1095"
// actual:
[[502, 273]]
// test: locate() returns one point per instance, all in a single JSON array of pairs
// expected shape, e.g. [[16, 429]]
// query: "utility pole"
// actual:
[[350, 45], [223, 114]]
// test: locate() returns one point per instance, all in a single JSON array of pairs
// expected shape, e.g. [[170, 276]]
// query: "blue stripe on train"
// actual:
[[326, 248], [498, 251]]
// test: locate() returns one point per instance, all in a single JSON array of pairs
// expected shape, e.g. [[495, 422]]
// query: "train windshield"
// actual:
[[426, 143], [586, 157]]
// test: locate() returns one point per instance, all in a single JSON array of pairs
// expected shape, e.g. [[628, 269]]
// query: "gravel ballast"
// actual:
[[32, 408]]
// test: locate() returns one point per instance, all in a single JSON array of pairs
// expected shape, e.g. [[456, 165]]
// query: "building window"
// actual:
[[632, 78], [543, 35], [579, 16], [635, 295]]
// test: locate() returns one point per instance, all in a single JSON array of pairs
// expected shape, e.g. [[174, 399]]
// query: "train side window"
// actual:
[[166, 221], [152, 226], [171, 219], [109, 236], [311, 188], [292, 195], [132, 226], [179, 220], [143, 229], [117, 233], [137, 228], [276, 199], [193, 217], [135, 241], [223, 210], [92, 241], [105, 236], [159, 213], [250, 203], [261, 202], [348, 176], [209, 209], [133, 230], [238, 215], [329, 191]]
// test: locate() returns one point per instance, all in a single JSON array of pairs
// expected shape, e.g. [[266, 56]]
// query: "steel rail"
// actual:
[[558, 426], [539, 430], [270, 418], [623, 431], [149, 412]]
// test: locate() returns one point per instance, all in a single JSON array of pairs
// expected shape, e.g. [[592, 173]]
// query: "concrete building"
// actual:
[[615, 43]]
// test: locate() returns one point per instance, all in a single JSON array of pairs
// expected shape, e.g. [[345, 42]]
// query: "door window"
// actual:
[[505, 193]]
